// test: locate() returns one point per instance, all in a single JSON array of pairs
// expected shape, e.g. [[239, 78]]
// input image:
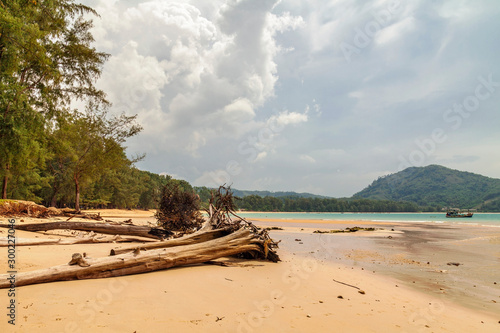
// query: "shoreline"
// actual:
[[353, 222]]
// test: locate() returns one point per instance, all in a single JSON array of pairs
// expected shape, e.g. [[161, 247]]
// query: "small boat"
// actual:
[[455, 212]]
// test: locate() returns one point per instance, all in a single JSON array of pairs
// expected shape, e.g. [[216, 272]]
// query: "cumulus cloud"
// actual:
[[251, 90], [285, 118], [192, 78], [307, 158]]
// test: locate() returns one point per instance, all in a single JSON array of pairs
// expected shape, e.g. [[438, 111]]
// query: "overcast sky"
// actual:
[[309, 96]]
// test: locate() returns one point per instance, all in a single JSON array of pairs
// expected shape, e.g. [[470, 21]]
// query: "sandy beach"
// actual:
[[394, 279]]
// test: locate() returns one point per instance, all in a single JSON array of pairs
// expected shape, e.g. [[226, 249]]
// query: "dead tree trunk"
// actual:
[[240, 241], [77, 193], [103, 228], [4, 242], [186, 240], [5, 182]]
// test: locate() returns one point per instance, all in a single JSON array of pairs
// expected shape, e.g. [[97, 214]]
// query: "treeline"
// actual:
[[126, 187], [293, 204], [490, 206], [300, 204]]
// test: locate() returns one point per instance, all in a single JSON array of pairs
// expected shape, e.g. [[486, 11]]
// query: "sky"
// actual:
[[309, 96]]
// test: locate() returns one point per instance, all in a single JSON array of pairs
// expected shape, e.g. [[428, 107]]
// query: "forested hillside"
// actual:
[[438, 186]]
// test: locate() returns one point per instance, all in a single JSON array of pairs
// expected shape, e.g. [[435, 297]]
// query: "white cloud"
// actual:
[[265, 84], [395, 31], [260, 156], [307, 158], [191, 78], [285, 118], [241, 110]]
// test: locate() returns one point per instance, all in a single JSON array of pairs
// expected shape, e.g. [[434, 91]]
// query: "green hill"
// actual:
[[436, 185]]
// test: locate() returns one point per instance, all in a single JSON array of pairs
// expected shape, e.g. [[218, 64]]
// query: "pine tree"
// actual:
[[46, 61]]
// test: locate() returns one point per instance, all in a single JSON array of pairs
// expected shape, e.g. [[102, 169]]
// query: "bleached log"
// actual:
[[240, 241], [103, 228], [195, 238]]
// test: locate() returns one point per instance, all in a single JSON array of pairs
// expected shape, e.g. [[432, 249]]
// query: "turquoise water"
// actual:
[[478, 218]]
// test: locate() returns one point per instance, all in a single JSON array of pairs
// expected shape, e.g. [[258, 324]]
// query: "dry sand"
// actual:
[[300, 294]]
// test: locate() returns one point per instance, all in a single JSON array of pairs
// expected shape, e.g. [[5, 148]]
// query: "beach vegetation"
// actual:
[[179, 208], [57, 141], [84, 146], [46, 62]]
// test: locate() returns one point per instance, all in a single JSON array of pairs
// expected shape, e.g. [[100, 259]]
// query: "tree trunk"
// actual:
[[5, 182], [186, 240], [77, 194], [240, 241], [4, 186], [53, 201], [4, 242], [103, 228]]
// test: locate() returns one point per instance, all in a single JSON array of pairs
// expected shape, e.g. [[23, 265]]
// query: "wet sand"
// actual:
[[417, 254], [314, 288]]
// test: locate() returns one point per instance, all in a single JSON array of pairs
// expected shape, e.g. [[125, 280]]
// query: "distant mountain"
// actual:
[[436, 185], [244, 193]]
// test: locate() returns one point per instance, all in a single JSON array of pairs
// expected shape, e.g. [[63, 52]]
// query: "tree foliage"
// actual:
[[294, 204], [86, 145], [47, 64], [125, 187], [46, 54]]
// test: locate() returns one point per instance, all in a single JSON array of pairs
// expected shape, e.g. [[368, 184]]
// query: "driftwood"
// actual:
[[78, 259], [240, 241], [346, 284], [103, 228], [186, 240], [75, 214], [31, 209], [71, 241], [220, 236]]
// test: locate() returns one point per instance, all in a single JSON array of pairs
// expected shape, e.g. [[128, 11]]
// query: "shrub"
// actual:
[[178, 209]]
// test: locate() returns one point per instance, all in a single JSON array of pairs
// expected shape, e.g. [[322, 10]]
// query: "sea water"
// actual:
[[489, 219]]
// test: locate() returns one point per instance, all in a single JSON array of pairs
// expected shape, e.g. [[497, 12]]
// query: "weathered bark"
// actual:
[[71, 241], [186, 240], [4, 186], [103, 228], [28, 208], [53, 201], [77, 194], [5, 181], [80, 215], [240, 241]]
